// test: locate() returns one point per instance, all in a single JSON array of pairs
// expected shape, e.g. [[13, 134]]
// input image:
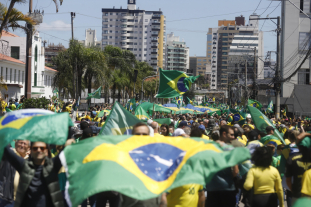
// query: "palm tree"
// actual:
[[11, 19], [6, 15], [95, 68]]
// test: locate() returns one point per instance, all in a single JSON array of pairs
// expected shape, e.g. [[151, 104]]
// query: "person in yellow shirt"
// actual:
[[306, 184], [191, 195], [3, 105], [265, 180]]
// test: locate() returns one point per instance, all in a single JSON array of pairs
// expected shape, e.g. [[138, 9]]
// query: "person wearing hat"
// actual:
[[179, 131]]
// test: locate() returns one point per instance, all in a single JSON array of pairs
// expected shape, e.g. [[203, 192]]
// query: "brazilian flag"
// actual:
[[254, 103], [237, 116], [142, 167], [119, 122], [270, 107], [141, 114], [174, 83], [36, 125]]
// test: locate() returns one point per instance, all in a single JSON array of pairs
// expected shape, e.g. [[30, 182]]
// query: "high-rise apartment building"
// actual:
[[229, 45], [139, 31], [52, 51], [177, 54]]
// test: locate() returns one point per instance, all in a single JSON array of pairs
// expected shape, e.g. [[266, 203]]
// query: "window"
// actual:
[[199, 63], [208, 56], [304, 77], [204, 60], [15, 75], [110, 37], [105, 37], [19, 76], [15, 52], [224, 34], [105, 25], [105, 14], [11, 75], [1, 74], [223, 67], [6, 74], [301, 5], [303, 38], [23, 75], [111, 20], [209, 37], [105, 20], [146, 20], [110, 25], [105, 31], [111, 13], [199, 59]]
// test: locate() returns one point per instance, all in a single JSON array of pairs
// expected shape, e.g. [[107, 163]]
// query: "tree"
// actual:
[[11, 18], [6, 17], [95, 68]]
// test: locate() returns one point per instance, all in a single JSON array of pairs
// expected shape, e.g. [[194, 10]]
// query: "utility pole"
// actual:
[[75, 79], [28, 56], [277, 78], [246, 98], [254, 76]]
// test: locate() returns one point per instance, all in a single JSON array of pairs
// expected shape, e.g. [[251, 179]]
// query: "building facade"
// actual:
[[12, 68], [177, 54], [295, 37], [139, 31], [52, 51], [198, 65], [229, 45], [90, 39]]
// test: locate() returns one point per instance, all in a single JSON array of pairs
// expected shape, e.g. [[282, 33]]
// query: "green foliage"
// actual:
[[40, 103]]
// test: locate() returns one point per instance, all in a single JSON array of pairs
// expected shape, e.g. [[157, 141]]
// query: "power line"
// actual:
[[257, 6]]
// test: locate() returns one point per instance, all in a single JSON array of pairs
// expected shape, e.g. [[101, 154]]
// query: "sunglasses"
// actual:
[[36, 148]]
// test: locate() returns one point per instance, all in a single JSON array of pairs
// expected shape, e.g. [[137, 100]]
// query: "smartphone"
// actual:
[[299, 125]]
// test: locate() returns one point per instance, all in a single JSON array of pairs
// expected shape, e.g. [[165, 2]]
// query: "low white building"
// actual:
[[12, 67]]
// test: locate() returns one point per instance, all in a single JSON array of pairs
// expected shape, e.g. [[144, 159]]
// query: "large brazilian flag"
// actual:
[[174, 83], [142, 167], [36, 125]]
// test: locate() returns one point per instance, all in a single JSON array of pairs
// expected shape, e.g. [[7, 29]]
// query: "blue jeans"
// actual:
[[4, 203]]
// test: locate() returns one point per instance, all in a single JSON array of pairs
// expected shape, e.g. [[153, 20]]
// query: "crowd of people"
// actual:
[[31, 174]]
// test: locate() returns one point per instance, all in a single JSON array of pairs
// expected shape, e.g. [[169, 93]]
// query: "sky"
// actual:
[[188, 19]]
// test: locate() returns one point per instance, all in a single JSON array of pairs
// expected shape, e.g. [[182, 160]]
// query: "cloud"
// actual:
[[57, 25]]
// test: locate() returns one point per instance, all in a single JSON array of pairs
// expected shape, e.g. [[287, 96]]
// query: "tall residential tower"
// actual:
[[139, 31]]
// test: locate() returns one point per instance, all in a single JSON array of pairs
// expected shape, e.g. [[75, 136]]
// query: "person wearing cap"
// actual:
[[204, 135], [179, 131]]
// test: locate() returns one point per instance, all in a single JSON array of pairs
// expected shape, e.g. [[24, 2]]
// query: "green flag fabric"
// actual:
[[173, 83], [303, 202], [147, 106], [102, 113], [261, 122], [270, 107], [141, 114], [142, 167], [238, 116], [34, 125], [95, 94], [119, 122], [56, 92], [163, 121], [254, 103]]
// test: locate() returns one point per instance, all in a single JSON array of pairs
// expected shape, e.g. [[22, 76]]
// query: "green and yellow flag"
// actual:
[[102, 113], [254, 103], [34, 125], [56, 92], [174, 83], [95, 94], [142, 167], [119, 122], [261, 122], [270, 107], [141, 114]]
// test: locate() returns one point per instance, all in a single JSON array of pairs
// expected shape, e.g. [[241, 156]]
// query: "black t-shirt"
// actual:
[[295, 168]]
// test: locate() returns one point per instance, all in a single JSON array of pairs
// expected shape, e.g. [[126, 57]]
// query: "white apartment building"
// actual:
[[12, 67], [90, 39], [139, 31], [177, 54], [211, 54], [294, 36]]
